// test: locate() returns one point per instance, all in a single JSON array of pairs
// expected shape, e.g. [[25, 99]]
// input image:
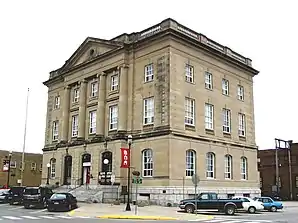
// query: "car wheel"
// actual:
[[273, 209], [251, 210], [230, 210], [69, 207], [189, 209]]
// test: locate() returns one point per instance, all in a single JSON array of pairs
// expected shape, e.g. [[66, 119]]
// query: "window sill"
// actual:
[[147, 82], [74, 103], [242, 138], [147, 176], [190, 127], [210, 178], [227, 134], [93, 98], [193, 83], [209, 131], [112, 92], [92, 134], [240, 99], [209, 89], [227, 95], [56, 109]]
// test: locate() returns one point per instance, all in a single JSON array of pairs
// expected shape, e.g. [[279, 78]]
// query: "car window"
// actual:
[[213, 196], [266, 200], [31, 191], [204, 197], [58, 196]]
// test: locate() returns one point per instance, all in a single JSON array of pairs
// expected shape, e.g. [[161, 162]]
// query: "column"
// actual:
[[123, 94], [101, 108], [65, 113], [82, 109]]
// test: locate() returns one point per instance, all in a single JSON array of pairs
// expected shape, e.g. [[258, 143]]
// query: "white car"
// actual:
[[250, 205]]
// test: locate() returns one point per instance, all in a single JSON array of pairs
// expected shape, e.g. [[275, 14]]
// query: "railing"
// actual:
[[77, 184]]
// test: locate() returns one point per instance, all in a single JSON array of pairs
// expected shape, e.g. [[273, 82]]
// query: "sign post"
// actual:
[[195, 180], [137, 179]]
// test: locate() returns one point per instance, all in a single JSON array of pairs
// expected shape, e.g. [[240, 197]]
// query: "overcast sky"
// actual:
[[39, 36]]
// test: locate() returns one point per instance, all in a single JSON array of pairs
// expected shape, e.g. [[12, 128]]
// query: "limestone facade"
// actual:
[[186, 100]]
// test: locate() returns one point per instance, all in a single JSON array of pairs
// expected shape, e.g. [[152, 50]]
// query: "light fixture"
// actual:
[[105, 161], [48, 165]]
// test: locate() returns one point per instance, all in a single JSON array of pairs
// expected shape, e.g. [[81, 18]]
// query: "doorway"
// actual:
[[106, 168], [86, 167], [67, 170]]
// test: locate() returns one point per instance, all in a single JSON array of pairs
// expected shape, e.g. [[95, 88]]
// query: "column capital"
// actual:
[[122, 66], [101, 74], [66, 87], [82, 81]]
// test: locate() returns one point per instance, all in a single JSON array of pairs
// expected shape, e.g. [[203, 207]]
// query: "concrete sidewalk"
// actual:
[[108, 211], [290, 203]]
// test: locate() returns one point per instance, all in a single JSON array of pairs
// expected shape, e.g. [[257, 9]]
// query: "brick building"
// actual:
[[32, 170], [267, 169]]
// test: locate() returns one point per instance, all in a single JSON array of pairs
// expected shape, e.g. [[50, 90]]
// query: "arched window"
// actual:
[[147, 162], [53, 168], [228, 166], [210, 169], [243, 168], [190, 163]]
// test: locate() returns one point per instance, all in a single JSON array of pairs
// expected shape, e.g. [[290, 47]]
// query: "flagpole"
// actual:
[[24, 140]]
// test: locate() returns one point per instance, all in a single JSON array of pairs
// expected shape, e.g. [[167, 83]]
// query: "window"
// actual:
[[241, 129], [147, 163], [76, 95], [94, 89], [209, 116], [296, 180], [208, 81], [53, 168], [243, 168], [190, 163], [40, 167], [149, 73], [74, 126], [225, 86], [210, 157], [189, 111], [33, 166], [148, 111], [189, 73], [113, 117], [226, 127], [228, 167], [13, 164], [92, 122], [57, 102], [114, 82], [55, 130], [261, 182], [240, 92]]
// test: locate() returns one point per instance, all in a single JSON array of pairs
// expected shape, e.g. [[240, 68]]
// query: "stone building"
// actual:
[[186, 100], [32, 168]]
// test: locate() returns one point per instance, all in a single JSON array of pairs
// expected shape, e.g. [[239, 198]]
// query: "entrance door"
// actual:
[[86, 175], [67, 170], [106, 168], [86, 165]]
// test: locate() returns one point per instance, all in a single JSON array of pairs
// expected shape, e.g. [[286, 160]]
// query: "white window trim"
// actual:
[[209, 116], [74, 126], [57, 102], [240, 92], [149, 73], [76, 95], [148, 115], [190, 159], [33, 166], [226, 125], [55, 130], [53, 168], [93, 89], [114, 82], [228, 167], [212, 171], [241, 124], [225, 87], [13, 164], [148, 155], [208, 81], [243, 170], [113, 121], [189, 115], [92, 122], [189, 73]]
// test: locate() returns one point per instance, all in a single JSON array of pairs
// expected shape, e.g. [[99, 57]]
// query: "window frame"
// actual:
[[74, 126], [210, 165], [226, 122], [76, 95], [147, 166], [189, 73], [13, 164], [94, 89], [209, 116], [228, 167], [225, 86], [57, 102], [189, 116], [190, 162], [208, 80], [92, 122], [243, 168], [33, 166], [113, 121], [149, 73], [148, 113], [53, 168], [114, 82], [241, 125], [55, 130], [240, 92]]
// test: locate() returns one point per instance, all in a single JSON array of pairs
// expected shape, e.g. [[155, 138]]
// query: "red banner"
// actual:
[[125, 158]]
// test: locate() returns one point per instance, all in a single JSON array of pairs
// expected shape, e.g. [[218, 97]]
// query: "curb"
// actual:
[[135, 217]]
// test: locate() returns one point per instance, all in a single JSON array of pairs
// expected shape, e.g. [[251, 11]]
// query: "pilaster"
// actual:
[[101, 106], [82, 109], [65, 113], [123, 99]]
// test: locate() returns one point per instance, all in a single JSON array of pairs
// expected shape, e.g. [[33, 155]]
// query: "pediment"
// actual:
[[88, 50]]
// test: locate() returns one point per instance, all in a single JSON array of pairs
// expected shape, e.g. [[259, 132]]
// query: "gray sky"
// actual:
[[39, 36]]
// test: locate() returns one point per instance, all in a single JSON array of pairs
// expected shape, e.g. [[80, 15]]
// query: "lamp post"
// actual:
[[129, 141], [8, 172], [48, 177]]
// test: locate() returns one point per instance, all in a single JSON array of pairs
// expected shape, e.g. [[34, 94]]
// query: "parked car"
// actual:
[[250, 205], [270, 204], [36, 196], [4, 194], [16, 195], [210, 201], [62, 202]]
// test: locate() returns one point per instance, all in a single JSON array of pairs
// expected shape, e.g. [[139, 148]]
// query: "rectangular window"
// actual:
[[57, 102], [296, 181], [149, 75], [114, 82], [76, 95], [94, 89], [92, 122], [40, 167], [226, 127], [113, 110], [74, 126], [261, 182], [241, 127], [208, 116], [225, 86], [240, 92], [55, 130], [189, 73], [148, 111], [13, 164], [208, 81], [33, 166], [189, 111]]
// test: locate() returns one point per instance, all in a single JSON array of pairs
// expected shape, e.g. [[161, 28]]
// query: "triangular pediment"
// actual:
[[88, 50]]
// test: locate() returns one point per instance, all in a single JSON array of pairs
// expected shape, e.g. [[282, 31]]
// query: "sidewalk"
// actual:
[[290, 203], [108, 211]]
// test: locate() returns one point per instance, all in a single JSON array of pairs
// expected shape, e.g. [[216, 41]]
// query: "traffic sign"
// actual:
[[137, 180]]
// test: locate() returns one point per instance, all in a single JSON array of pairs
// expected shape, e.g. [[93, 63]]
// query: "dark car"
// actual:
[[4, 194], [210, 201], [62, 202], [16, 195], [36, 196]]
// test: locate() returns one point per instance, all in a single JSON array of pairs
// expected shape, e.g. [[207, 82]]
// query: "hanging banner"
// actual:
[[125, 156]]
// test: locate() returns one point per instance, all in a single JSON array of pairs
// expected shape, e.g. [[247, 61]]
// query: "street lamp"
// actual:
[[48, 177], [129, 141], [8, 172]]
